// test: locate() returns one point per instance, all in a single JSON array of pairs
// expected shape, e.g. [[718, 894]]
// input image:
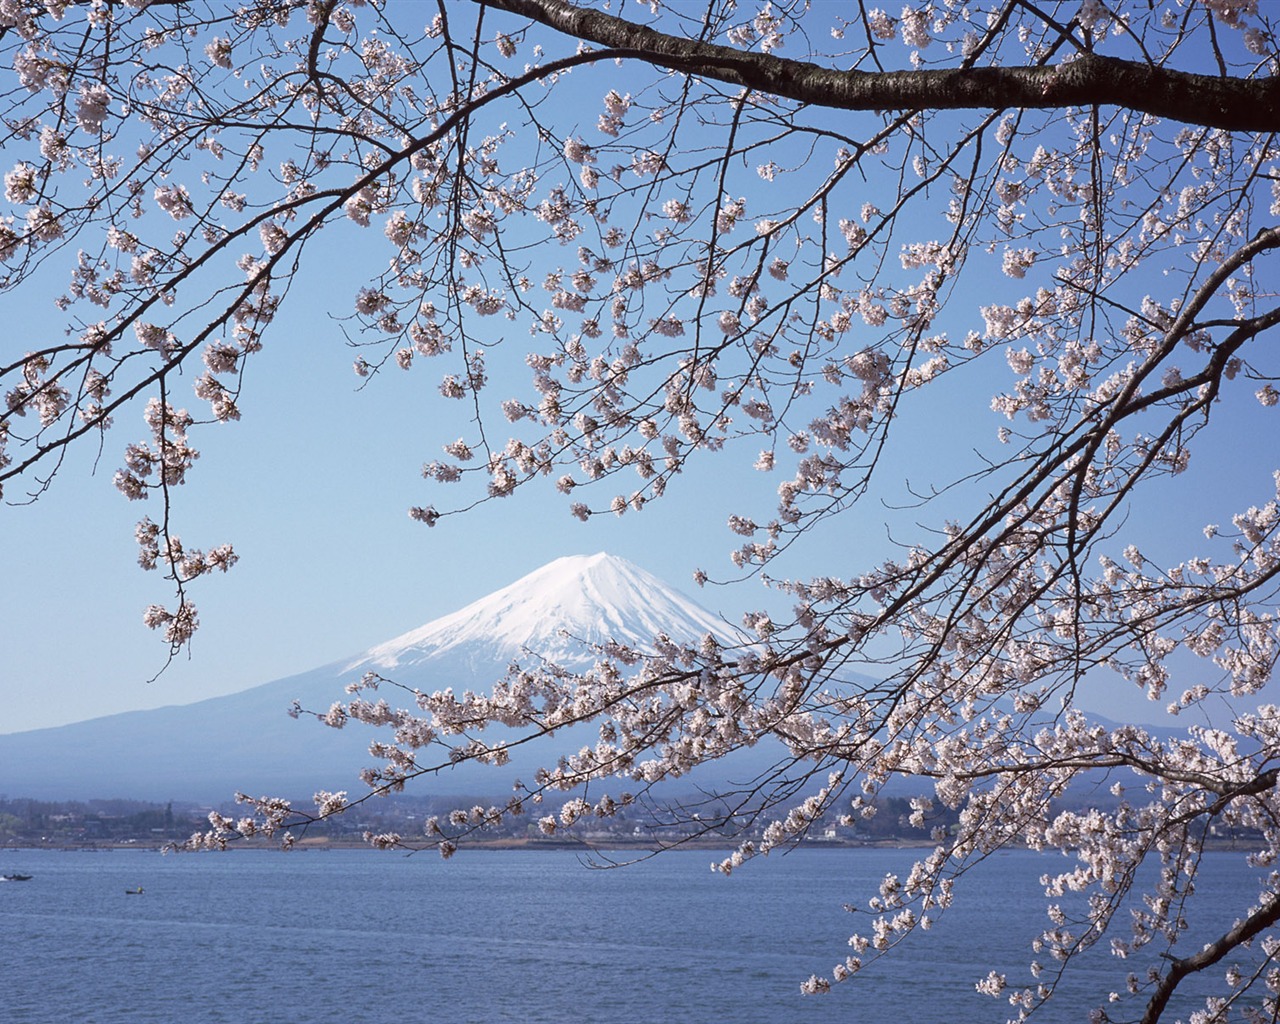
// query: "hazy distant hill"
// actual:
[[246, 741]]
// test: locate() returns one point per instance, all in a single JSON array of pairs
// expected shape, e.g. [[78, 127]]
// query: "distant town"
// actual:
[[107, 824]]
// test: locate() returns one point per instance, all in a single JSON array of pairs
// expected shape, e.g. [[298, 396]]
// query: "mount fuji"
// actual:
[[211, 749]]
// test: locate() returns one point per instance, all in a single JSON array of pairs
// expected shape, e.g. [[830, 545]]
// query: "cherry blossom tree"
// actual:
[[770, 231]]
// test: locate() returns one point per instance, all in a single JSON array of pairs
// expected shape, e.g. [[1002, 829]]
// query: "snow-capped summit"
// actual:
[[554, 612], [246, 741]]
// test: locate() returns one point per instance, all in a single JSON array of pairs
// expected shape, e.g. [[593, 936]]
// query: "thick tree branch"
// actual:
[[1235, 104], [1260, 919]]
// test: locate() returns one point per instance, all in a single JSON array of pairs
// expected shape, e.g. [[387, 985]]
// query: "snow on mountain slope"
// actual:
[[246, 741], [552, 612]]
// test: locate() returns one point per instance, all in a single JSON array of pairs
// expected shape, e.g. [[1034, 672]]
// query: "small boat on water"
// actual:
[[133, 892], [15, 878]]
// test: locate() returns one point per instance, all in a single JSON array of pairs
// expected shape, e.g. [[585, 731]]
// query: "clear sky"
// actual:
[[312, 488]]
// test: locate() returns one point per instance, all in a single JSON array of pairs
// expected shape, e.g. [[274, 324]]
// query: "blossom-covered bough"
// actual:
[[799, 235]]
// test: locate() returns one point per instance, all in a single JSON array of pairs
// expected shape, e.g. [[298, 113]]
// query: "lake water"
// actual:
[[348, 937]]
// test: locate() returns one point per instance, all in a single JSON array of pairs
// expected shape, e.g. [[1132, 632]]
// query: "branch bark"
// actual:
[[1233, 104], [1260, 919]]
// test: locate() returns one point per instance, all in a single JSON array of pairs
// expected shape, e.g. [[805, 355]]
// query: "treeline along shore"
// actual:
[[108, 823]]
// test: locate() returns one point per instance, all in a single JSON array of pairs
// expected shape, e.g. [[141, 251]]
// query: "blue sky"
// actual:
[[312, 488]]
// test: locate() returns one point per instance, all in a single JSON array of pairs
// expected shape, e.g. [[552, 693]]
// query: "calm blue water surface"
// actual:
[[348, 937]]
